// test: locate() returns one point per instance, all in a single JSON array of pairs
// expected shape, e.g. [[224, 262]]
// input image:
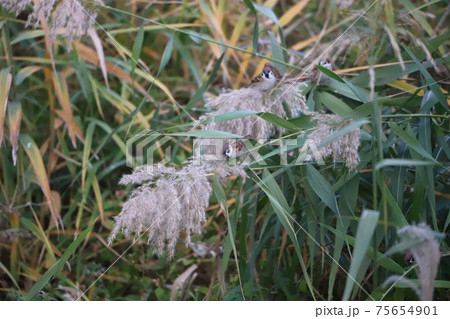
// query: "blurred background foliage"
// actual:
[[149, 65]]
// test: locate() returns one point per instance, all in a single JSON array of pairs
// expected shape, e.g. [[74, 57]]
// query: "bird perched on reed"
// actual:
[[268, 78], [234, 148]]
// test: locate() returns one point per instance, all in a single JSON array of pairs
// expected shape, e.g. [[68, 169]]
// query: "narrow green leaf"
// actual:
[[222, 198], [137, 48], [321, 188], [166, 54], [415, 12], [233, 115], [366, 227], [429, 80], [255, 28], [269, 185], [411, 141], [402, 162], [205, 85], [277, 52], [58, 266], [278, 121], [267, 12], [349, 90], [336, 105], [6, 271], [206, 134]]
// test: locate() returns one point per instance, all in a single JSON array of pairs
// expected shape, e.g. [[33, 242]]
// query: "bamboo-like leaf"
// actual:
[[166, 54], [101, 55], [402, 162], [89, 55], [366, 228], [337, 106], [429, 80], [205, 85], [5, 85], [62, 93], [322, 188], [39, 170], [412, 142], [293, 11], [137, 48], [222, 199], [206, 134], [14, 119], [255, 28], [58, 266], [25, 73], [6, 271], [282, 209]]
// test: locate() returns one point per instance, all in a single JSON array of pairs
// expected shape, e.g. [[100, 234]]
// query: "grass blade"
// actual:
[[58, 266], [366, 228]]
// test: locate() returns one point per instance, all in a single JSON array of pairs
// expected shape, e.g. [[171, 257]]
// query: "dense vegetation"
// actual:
[[288, 231]]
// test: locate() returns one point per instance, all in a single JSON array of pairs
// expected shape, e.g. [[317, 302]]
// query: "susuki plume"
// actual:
[[253, 99], [344, 147], [168, 202], [75, 16], [426, 255]]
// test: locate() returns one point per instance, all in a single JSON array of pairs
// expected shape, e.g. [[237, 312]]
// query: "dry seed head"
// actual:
[[344, 147], [426, 255], [253, 99], [168, 202], [75, 16]]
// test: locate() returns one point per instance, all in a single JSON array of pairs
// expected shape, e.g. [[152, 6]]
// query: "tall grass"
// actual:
[[286, 232]]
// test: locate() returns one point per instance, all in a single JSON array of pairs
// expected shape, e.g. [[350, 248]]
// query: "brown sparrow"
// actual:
[[317, 76], [409, 258], [268, 78], [235, 147]]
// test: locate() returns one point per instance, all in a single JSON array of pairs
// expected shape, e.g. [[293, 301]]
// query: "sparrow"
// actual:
[[201, 249], [235, 147], [317, 76], [409, 258], [268, 78]]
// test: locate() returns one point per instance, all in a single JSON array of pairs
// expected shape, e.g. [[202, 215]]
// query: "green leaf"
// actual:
[[429, 80], [349, 90], [349, 128], [205, 134], [251, 6], [269, 185], [364, 233], [137, 48], [411, 141], [267, 12], [58, 266], [166, 54], [337, 106], [278, 121], [415, 12], [234, 115], [6, 271], [329, 73], [269, 117], [277, 52], [205, 85], [322, 188], [222, 199], [402, 162]]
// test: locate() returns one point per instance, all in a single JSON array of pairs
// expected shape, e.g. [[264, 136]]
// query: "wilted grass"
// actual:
[[297, 231]]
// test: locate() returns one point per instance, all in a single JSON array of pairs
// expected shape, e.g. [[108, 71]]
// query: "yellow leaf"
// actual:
[[5, 85], [292, 12], [14, 119], [39, 170]]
